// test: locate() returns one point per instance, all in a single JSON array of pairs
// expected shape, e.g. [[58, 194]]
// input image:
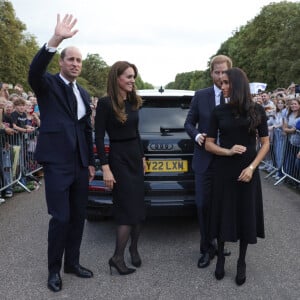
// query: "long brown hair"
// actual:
[[290, 111], [240, 97], [113, 90]]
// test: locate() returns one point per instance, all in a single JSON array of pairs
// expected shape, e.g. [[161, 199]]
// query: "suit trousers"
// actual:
[[66, 187], [203, 188]]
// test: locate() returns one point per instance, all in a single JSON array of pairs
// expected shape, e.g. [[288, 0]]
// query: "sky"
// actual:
[[161, 37]]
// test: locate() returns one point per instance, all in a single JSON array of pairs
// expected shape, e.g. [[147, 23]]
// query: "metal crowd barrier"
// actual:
[[274, 159], [282, 157], [291, 163], [30, 165], [17, 160]]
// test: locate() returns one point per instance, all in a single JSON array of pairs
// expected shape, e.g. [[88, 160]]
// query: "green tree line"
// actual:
[[17, 49], [266, 48]]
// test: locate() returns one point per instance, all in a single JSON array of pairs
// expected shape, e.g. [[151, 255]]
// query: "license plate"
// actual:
[[167, 166]]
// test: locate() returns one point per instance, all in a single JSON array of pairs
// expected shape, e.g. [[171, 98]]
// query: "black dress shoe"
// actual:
[[79, 271], [54, 282], [226, 252], [204, 260], [212, 252]]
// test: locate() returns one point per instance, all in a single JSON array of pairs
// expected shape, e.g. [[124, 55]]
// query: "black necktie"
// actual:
[[74, 99], [222, 99]]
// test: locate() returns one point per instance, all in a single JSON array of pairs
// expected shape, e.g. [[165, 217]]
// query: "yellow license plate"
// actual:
[[167, 166]]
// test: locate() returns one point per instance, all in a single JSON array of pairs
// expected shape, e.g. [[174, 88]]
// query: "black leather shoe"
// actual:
[[212, 252], [226, 252], [204, 260], [79, 271], [54, 282]]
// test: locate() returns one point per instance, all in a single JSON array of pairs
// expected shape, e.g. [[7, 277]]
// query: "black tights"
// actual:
[[135, 234], [220, 248], [243, 250], [123, 234]]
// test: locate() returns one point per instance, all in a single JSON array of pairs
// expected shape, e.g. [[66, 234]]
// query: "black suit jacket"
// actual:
[[61, 133], [197, 121]]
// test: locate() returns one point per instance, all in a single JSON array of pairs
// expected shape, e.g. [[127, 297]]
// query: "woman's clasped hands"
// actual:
[[246, 174]]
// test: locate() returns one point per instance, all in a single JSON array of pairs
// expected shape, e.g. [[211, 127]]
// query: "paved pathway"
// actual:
[[169, 248]]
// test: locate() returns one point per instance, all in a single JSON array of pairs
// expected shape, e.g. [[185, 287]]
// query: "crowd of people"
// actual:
[[19, 115], [282, 108], [224, 120]]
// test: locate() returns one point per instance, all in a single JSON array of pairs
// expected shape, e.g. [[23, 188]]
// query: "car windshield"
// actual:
[[162, 114]]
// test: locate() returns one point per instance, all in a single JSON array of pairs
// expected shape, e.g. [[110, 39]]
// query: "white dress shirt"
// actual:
[[218, 93], [81, 110]]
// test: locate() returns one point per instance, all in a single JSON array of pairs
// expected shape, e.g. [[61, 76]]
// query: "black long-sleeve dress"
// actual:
[[236, 207], [125, 160]]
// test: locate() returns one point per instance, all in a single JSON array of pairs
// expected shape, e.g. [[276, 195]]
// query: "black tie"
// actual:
[[74, 99], [222, 99]]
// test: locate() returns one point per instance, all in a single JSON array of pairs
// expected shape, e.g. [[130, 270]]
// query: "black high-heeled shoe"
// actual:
[[220, 272], [135, 258], [121, 268], [240, 278]]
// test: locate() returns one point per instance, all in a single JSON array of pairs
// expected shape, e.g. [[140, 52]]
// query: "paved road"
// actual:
[[169, 248]]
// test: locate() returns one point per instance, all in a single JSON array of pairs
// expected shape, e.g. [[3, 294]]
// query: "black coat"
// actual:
[[60, 132]]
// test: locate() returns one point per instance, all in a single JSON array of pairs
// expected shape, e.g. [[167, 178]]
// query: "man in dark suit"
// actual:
[[65, 149], [196, 125]]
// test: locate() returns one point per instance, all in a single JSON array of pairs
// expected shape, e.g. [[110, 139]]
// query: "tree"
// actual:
[[266, 48], [200, 80], [182, 81], [141, 85], [16, 48], [95, 71]]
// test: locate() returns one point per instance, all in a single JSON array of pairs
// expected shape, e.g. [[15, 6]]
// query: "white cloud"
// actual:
[[162, 37]]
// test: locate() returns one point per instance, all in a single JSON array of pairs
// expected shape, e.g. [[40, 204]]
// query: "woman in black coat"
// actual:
[[236, 206], [123, 169]]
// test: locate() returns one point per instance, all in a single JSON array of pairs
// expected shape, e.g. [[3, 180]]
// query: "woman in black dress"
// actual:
[[237, 206], [123, 169]]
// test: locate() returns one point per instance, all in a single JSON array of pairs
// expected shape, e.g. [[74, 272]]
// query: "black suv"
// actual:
[[169, 179]]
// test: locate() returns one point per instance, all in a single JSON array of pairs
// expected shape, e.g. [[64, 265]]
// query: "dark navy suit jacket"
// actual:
[[61, 133], [197, 121]]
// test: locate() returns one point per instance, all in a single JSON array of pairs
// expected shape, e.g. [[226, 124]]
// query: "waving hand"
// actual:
[[63, 30]]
